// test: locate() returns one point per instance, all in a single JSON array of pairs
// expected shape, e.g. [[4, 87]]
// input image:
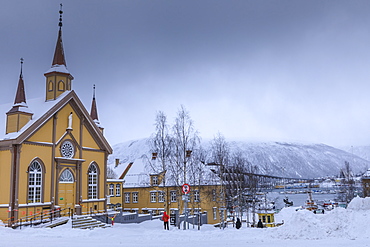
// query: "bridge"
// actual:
[[236, 179]]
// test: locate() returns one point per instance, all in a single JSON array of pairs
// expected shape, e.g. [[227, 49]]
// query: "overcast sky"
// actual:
[[261, 70]]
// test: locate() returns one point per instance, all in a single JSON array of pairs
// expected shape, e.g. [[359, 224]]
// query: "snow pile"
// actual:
[[358, 204], [350, 223], [340, 228]]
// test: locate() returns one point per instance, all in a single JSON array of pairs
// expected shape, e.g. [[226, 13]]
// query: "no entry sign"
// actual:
[[185, 189]]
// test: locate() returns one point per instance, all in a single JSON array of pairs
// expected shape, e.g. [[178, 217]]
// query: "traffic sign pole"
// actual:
[[185, 190]]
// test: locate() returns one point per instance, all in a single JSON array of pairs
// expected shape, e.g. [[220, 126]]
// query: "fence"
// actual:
[[197, 219], [43, 217], [123, 218]]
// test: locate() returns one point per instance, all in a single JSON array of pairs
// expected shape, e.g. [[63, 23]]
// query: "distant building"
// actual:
[[114, 195], [53, 154], [366, 183], [156, 198]]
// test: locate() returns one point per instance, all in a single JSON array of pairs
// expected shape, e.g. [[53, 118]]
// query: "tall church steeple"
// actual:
[[20, 96], [58, 78], [59, 58], [94, 112], [19, 115]]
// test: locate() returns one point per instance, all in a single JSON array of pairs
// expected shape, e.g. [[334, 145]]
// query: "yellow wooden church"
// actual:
[[53, 153]]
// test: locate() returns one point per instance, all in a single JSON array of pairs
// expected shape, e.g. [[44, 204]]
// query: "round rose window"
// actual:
[[67, 149]]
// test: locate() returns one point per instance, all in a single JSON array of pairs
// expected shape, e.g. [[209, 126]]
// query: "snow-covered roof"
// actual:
[[37, 106], [22, 104], [367, 173], [138, 152], [43, 111], [22, 107], [115, 180], [58, 68], [97, 122]]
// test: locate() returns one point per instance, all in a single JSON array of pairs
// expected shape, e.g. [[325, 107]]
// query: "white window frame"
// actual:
[[111, 189], [118, 189], [196, 196], [127, 197], [214, 212], [93, 181], [66, 176], [173, 196], [34, 182], [153, 196], [135, 197], [154, 180], [160, 196]]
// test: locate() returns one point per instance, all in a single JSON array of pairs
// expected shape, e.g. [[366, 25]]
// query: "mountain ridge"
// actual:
[[284, 159]]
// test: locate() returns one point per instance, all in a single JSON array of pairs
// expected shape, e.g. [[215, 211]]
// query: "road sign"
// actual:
[[185, 189]]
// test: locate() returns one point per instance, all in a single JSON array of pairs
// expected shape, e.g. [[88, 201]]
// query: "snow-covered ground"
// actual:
[[340, 227]]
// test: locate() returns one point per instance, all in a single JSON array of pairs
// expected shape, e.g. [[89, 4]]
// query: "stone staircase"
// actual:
[[87, 222]]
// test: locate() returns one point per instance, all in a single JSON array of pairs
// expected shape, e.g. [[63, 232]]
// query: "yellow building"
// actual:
[[366, 183], [53, 154], [114, 196], [156, 198], [267, 218]]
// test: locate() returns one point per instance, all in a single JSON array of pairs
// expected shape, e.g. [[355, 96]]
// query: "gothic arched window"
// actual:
[[50, 86], [34, 182], [61, 86], [66, 176], [93, 176]]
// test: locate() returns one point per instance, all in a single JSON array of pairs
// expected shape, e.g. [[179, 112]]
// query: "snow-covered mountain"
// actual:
[[293, 160], [360, 151], [300, 160]]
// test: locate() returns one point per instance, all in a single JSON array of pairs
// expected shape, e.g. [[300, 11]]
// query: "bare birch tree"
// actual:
[[185, 141], [236, 181], [220, 155], [197, 178], [111, 174], [160, 145]]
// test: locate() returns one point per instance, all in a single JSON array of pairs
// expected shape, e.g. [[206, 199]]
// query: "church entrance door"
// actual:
[[66, 190]]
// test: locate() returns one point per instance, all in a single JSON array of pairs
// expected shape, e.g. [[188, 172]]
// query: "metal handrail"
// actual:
[[42, 217]]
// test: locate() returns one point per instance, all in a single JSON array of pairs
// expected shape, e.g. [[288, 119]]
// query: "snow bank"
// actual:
[[350, 223], [359, 204], [340, 228]]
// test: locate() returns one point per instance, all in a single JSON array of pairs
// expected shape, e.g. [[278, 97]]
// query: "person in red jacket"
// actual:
[[165, 219]]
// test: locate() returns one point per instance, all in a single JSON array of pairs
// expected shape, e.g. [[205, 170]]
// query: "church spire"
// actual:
[[59, 58], [58, 78], [20, 96], [19, 115], [94, 111]]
